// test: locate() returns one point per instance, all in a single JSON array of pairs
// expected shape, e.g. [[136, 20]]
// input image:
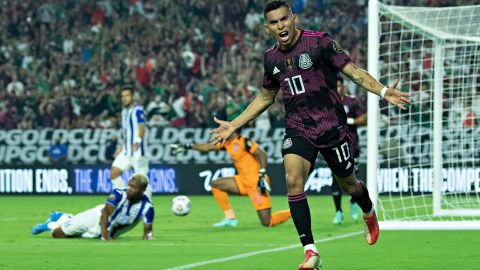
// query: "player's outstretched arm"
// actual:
[[367, 81], [261, 102], [106, 213], [201, 147]]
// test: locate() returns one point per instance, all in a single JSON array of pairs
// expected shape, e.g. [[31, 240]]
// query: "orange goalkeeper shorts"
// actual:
[[248, 186]]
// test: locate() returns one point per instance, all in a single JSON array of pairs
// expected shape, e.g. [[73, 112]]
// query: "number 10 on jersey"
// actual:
[[297, 83]]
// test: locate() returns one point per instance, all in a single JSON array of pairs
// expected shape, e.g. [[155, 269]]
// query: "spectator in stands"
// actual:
[[58, 152], [71, 54]]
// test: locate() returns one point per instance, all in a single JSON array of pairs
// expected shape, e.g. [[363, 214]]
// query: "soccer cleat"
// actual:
[[39, 228], [338, 218], [312, 261], [354, 208], [226, 223], [371, 228], [54, 216]]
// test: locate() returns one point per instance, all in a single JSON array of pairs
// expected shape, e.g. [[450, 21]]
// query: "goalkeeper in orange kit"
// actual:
[[250, 161]]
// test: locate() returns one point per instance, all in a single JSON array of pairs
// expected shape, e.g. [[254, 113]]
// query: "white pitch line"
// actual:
[[250, 254], [94, 242]]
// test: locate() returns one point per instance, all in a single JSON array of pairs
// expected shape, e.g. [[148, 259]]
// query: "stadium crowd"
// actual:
[[62, 62]]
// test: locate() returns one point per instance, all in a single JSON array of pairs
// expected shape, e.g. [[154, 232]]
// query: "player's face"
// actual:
[[340, 88], [134, 189], [127, 98], [281, 24]]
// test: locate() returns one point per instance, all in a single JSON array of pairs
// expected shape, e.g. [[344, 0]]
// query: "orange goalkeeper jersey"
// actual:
[[241, 151]]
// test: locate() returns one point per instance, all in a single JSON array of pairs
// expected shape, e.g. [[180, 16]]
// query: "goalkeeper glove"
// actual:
[[179, 148], [263, 185]]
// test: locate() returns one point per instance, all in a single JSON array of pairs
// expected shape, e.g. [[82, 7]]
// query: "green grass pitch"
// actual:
[[187, 240]]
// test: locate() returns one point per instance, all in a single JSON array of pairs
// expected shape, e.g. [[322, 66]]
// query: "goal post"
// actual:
[[423, 164]]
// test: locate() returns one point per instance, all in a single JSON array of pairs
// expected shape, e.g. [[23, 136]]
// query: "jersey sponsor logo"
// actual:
[[336, 47], [235, 148], [289, 63], [275, 70], [304, 61], [287, 143]]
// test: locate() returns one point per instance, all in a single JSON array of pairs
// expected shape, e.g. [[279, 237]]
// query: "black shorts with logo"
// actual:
[[338, 157]]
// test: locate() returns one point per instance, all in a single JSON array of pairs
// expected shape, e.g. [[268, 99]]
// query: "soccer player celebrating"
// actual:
[[250, 161], [304, 64], [356, 116], [123, 210], [132, 152]]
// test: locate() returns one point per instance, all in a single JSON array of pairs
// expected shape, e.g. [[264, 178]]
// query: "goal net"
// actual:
[[424, 162]]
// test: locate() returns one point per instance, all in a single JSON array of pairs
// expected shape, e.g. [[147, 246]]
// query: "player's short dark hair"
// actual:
[[273, 5], [128, 87]]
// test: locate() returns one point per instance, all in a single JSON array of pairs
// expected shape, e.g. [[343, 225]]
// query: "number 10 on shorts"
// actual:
[[345, 153]]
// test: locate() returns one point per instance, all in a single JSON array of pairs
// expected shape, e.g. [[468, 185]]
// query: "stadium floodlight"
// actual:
[[423, 166]]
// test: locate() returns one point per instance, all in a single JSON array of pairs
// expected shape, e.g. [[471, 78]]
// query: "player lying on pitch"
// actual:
[[250, 161], [123, 209]]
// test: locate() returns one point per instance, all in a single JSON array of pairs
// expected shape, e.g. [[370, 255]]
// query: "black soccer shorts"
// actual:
[[338, 157]]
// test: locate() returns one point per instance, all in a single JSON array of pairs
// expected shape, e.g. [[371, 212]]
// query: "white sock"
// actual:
[[118, 183], [52, 225], [148, 191], [312, 247], [55, 224]]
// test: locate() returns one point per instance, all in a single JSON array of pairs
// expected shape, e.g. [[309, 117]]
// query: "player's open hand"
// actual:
[[397, 98], [148, 236], [106, 238], [222, 133]]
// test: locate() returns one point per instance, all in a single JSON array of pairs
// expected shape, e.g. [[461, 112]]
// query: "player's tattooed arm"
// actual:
[[367, 81], [362, 78]]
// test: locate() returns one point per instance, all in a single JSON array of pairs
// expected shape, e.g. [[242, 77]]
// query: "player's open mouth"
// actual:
[[284, 36]]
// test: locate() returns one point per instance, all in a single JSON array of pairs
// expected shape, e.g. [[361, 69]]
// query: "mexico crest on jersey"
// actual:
[[304, 61]]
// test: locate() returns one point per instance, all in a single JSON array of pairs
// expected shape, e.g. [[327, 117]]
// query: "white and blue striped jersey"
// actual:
[[132, 118], [127, 215]]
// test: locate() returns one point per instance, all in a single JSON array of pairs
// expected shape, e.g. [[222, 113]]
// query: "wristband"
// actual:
[[350, 121], [383, 92], [262, 171], [137, 140], [188, 145]]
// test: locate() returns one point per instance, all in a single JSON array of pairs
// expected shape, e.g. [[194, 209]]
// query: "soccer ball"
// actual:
[[181, 205]]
